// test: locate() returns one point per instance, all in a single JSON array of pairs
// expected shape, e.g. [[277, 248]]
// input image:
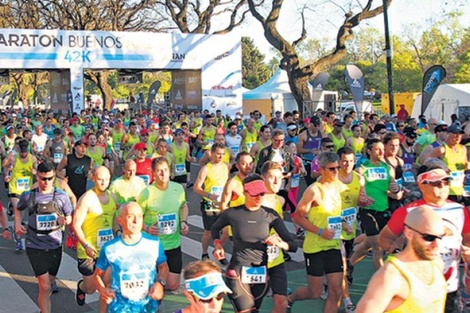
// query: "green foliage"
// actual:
[[254, 71], [462, 75]]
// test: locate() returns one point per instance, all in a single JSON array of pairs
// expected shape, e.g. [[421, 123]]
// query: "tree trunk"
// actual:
[[101, 80]]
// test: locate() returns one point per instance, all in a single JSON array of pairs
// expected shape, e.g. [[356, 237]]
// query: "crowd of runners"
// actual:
[[112, 185]]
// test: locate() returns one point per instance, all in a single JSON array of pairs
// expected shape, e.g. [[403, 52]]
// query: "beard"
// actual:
[[421, 251]]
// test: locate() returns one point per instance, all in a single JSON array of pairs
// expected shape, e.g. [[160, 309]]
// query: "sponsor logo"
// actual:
[[191, 94], [232, 103], [77, 88], [434, 79], [78, 97], [178, 95], [220, 87], [223, 55], [192, 80], [178, 57], [178, 81], [356, 84]]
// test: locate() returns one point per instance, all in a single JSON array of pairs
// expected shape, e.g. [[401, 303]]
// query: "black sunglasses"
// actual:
[[329, 147], [426, 237], [46, 178], [332, 169], [437, 183]]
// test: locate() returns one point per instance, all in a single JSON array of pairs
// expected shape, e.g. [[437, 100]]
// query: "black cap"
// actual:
[[79, 143], [315, 120], [441, 128], [338, 122], [23, 144], [410, 132], [455, 129]]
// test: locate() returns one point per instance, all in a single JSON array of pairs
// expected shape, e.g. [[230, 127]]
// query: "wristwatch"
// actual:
[[162, 282]]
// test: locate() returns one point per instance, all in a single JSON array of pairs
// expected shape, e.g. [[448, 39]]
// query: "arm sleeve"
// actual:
[[280, 227], [397, 221], [466, 222], [221, 222]]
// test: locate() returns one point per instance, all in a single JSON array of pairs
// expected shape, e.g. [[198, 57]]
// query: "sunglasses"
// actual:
[[330, 147], [46, 178], [437, 183], [259, 195], [332, 169], [219, 297], [426, 237], [382, 133]]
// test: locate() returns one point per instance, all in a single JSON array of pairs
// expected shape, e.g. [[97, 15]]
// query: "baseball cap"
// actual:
[[433, 175], [238, 117], [79, 143], [455, 129], [207, 286], [337, 122], [315, 120], [178, 131], [440, 128], [9, 127], [255, 187], [292, 126], [410, 132], [144, 131], [140, 146]]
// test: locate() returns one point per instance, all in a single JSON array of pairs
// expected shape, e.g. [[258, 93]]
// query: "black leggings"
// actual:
[[245, 297]]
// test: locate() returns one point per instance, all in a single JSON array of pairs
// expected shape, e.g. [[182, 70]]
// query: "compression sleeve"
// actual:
[[221, 222], [280, 227]]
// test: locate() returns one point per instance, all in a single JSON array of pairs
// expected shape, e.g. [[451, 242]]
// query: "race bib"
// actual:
[[134, 286], [104, 235], [217, 191], [22, 183], [273, 253], [457, 178], [46, 222], [180, 169], [377, 173], [249, 145], [408, 177], [466, 191], [295, 182], [40, 148], [253, 275], [400, 182], [167, 224], [58, 157], [349, 216], [334, 223], [146, 179], [210, 142], [117, 146], [235, 149]]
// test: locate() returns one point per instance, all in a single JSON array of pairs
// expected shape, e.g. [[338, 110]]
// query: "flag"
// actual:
[[356, 81], [431, 80], [320, 81]]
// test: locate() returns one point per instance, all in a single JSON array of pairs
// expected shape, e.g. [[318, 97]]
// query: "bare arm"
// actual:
[[80, 213], [61, 166], [226, 195]]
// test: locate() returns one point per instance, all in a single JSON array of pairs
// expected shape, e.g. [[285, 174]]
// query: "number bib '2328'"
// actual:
[[253, 275], [167, 223], [134, 286]]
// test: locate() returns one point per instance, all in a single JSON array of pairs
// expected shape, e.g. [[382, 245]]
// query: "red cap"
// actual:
[[255, 187], [140, 146], [433, 175], [144, 131]]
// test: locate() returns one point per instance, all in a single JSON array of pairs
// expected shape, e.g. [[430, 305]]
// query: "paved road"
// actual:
[[18, 287]]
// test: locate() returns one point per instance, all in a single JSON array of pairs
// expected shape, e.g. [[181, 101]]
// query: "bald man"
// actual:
[[94, 226], [412, 280], [132, 288], [128, 186]]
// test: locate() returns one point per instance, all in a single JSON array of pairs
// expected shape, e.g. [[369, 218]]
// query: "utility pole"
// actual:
[[388, 53]]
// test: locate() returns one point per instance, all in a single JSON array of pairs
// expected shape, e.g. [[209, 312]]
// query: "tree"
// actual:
[[254, 71], [298, 74]]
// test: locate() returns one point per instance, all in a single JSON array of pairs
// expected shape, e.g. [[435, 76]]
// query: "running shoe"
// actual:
[[19, 245], [349, 273], [80, 295], [205, 257], [350, 308], [287, 257], [324, 295], [300, 234], [189, 184], [54, 288]]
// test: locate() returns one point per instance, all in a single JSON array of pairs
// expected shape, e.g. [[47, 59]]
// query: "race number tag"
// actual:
[[134, 286], [210, 142], [58, 157], [249, 145], [408, 177], [273, 253], [457, 178], [295, 182], [349, 216], [117, 146], [167, 224], [235, 149], [146, 179], [22, 183], [217, 191], [180, 169], [104, 235], [40, 148], [377, 173], [253, 275], [334, 223], [46, 222], [400, 182], [466, 191]]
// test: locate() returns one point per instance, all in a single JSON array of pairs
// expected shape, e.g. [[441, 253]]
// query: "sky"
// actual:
[[324, 18]]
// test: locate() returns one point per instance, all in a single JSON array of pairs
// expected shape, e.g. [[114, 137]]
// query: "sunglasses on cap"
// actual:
[[437, 183], [426, 237]]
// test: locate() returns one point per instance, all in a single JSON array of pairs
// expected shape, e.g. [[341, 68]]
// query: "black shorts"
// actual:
[[278, 279], [13, 195], [174, 258], [208, 217], [45, 261], [181, 179], [86, 267], [348, 247], [373, 221], [324, 262], [188, 167]]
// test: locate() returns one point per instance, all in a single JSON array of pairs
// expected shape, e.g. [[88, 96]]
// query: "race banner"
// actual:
[[431, 80], [320, 81], [356, 81]]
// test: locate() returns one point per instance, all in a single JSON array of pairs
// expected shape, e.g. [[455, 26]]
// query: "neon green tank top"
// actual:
[[275, 255], [97, 156], [209, 135], [338, 142], [133, 139], [21, 176], [347, 133], [237, 200], [215, 180], [434, 292], [357, 144], [325, 215], [261, 147], [117, 138], [97, 227], [456, 163], [179, 156], [249, 140], [349, 200]]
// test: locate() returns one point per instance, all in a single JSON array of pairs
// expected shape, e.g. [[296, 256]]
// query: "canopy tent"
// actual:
[[447, 100], [274, 95]]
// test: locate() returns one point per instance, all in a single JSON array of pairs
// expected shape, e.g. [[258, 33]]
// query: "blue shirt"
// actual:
[[133, 272]]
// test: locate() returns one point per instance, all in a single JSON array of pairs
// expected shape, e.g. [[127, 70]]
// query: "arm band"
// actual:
[[319, 232]]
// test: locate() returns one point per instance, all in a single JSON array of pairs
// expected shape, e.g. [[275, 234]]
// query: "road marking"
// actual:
[[194, 248], [19, 299]]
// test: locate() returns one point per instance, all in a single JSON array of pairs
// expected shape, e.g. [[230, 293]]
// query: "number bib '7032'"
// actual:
[[253, 275], [134, 286]]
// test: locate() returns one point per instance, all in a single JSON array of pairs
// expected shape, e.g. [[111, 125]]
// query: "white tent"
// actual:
[[274, 95], [449, 99]]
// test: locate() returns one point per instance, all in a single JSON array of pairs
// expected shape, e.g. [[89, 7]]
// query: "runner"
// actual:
[[249, 136], [127, 187], [138, 266], [309, 144], [182, 159], [39, 141], [263, 142], [55, 148]]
